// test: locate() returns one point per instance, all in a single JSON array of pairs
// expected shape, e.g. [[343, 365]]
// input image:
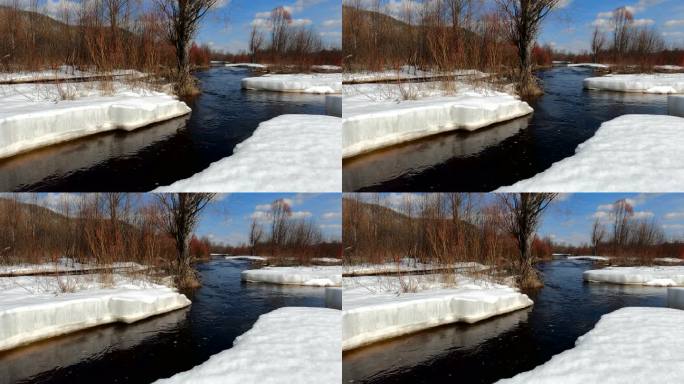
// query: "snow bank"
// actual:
[[589, 65], [327, 67], [668, 260], [333, 297], [630, 345], [643, 83], [303, 83], [638, 153], [288, 345], [380, 115], [668, 67], [321, 276], [65, 72], [327, 260], [407, 265], [675, 298], [247, 258], [34, 308], [675, 105], [64, 265], [377, 308], [33, 116], [589, 258], [661, 276], [296, 153], [333, 105], [247, 65], [407, 72]]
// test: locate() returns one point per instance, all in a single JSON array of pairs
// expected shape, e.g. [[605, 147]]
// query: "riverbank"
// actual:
[[320, 276]]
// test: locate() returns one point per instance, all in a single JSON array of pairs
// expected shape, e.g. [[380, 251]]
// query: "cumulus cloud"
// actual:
[[331, 215], [674, 23], [332, 23]]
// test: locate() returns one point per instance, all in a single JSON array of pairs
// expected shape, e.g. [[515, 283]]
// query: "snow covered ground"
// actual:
[[668, 67], [327, 68], [672, 260], [638, 153], [64, 265], [406, 72], [377, 308], [589, 65], [288, 345], [37, 115], [407, 265], [321, 276], [381, 115], [589, 258], [247, 258], [296, 153], [34, 308], [675, 105], [662, 276], [630, 345], [64, 72], [247, 65], [643, 83], [302, 83]]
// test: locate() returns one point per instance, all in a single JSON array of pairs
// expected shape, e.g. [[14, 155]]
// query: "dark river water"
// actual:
[[222, 116], [484, 160], [142, 352], [504, 346]]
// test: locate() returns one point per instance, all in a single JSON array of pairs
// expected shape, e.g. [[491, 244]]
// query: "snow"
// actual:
[[35, 115], [288, 345], [377, 308], [643, 83], [333, 105], [34, 308], [333, 297], [675, 105], [295, 153], [64, 72], [589, 258], [63, 265], [408, 265], [668, 260], [327, 67], [327, 260], [675, 298], [247, 65], [630, 345], [303, 83], [247, 258], [406, 72], [660, 276], [381, 115], [637, 153], [320, 276], [668, 67], [589, 65]]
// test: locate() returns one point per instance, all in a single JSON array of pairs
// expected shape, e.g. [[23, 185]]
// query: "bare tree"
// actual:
[[598, 234], [621, 212], [524, 18], [522, 217], [598, 42], [256, 39], [279, 215], [182, 22], [180, 215], [256, 232], [280, 20]]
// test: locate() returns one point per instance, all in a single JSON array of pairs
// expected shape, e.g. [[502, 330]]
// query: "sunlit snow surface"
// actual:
[[630, 345], [295, 153], [37, 115], [381, 115], [642, 83], [322, 276], [34, 308], [636, 153], [655, 276], [301, 83], [289, 345], [377, 308]]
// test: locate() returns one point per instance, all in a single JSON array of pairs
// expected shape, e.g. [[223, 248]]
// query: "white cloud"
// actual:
[[331, 215], [674, 23], [674, 216], [330, 226], [643, 22], [332, 23], [300, 22], [300, 214], [563, 3]]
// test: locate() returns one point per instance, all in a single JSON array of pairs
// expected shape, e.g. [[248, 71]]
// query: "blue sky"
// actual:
[[570, 27], [228, 218], [227, 27], [570, 218]]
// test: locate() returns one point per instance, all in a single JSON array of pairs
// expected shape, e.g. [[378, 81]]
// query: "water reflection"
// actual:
[[418, 156]]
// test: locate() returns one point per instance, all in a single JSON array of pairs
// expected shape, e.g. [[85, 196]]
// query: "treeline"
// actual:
[[623, 234], [438, 34], [277, 233], [278, 39], [93, 34]]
